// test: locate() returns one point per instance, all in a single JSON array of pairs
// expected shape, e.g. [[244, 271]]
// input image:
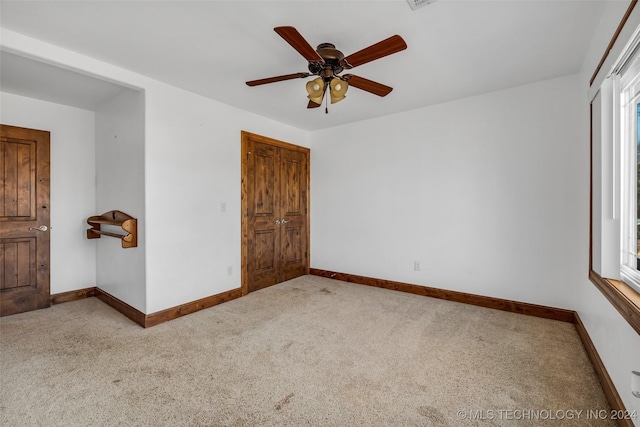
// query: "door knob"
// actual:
[[276, 222], [284, 221], [41, 228]]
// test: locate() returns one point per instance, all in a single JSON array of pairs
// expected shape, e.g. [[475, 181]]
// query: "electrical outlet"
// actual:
[[223, 207], [230, 271], [416, 265]]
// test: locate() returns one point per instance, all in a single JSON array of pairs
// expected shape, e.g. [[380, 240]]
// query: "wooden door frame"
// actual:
[[245, 137]]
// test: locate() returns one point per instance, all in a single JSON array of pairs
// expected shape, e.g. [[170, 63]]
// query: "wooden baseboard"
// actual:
[[560, 314], [124, 308], [146, 320], [191, 307], [605, 380], [73, 295]]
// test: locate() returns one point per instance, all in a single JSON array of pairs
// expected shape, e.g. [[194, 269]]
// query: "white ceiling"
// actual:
[[455, 48]]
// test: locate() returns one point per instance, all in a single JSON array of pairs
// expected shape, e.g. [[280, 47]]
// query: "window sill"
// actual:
[[621, 296]]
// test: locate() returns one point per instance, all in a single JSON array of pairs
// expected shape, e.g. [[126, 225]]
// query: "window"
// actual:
[[629, 84], [614, 97]]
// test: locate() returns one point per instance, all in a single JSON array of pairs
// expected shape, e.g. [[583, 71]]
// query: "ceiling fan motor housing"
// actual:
[[332, 58]]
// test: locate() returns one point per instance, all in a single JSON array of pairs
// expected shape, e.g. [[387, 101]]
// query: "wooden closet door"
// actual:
[[275, 186], [263, 212], [293, 212]]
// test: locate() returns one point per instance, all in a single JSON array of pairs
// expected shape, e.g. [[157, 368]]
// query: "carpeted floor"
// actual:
[[311, 351]]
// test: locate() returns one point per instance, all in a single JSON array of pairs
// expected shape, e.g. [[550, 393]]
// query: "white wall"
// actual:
[[617, 343], [480, 191], [192, 165], [120, 186], [73, 257]]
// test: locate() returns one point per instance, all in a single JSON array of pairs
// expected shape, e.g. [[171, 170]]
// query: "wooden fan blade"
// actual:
[[376, 51], [295, 39], [368, 85], [278, 79]]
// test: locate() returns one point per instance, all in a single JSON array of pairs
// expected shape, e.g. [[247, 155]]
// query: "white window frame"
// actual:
[[627, 87]]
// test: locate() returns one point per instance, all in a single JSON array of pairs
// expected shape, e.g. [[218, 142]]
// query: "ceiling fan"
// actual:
[[327, 63]]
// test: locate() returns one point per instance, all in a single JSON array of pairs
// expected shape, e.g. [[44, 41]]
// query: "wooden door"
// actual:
[[263, 215], [275, 207], [294, 173], [24, 219]]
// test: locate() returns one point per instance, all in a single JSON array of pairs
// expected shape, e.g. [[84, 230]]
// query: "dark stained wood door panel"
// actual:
[[24, 206], [293, 190], [262, 209]]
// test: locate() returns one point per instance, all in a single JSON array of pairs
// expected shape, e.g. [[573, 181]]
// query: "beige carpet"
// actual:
[[310, 351]]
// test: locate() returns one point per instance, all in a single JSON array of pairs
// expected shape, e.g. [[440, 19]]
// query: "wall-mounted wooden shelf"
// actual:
[[118, 219]]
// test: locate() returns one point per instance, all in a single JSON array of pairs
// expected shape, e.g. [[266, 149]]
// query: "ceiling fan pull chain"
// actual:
[[326, 105]]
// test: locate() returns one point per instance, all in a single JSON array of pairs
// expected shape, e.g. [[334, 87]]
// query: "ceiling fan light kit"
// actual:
[[326, 62], [315, 89], [338, 90]]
